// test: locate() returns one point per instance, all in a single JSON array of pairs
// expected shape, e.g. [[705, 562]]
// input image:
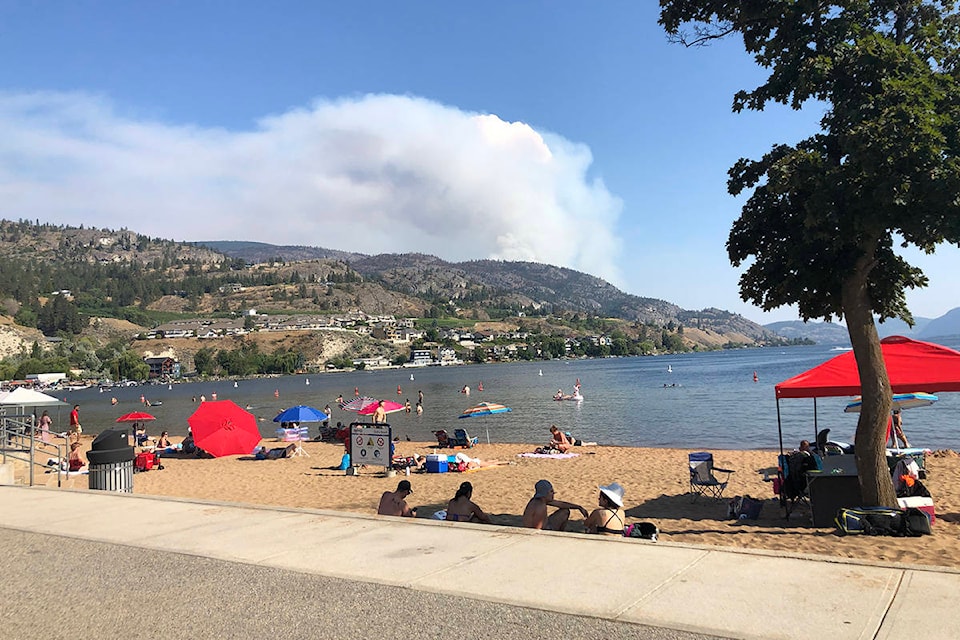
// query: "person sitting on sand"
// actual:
[[535, 514], [140, 437], [163, 442], [559, 441], [188, 445], [463, 509], [609, 519], [276, 453], [394, 503], [75, 461]]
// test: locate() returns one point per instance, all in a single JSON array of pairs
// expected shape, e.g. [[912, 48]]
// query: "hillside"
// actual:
[[128, 275]]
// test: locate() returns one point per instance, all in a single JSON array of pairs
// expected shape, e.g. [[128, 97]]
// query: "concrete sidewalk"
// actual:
[[698, 589]]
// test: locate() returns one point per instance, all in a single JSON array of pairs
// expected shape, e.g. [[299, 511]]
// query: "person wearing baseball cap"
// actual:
[[609, 519], [394, 503], [535, 514]]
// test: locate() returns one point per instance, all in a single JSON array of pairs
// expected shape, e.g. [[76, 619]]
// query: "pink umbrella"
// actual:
[[388, 406]]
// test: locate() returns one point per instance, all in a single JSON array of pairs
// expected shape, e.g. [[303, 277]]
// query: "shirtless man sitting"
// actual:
[[535, 515], [559, 441], [394, 503]]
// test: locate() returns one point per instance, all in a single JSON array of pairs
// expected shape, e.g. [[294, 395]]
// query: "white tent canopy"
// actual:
[[23, 397]]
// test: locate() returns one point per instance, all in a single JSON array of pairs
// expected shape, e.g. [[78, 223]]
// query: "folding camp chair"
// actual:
[[703, 482], [793, 486], [443, 440], [462, 439]]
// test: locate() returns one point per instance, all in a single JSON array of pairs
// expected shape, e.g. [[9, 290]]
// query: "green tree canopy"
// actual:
[[824, 215]]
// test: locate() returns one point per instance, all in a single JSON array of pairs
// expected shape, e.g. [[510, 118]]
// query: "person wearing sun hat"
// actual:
[[535, 514], [609, 519], [394, 503]]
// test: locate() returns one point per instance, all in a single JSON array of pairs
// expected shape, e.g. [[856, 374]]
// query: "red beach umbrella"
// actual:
[[136, 416], [388, 406], [222, 428]]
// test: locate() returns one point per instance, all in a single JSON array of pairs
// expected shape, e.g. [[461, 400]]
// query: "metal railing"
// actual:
[[19, 440]]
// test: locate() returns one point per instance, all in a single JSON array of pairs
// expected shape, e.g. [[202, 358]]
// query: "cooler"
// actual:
[[919, 502], [436, 463]]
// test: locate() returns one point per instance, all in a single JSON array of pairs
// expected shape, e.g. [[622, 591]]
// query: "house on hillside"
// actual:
[[163, 367]]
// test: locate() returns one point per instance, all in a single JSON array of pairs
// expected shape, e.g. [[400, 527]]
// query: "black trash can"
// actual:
[[111, 461]]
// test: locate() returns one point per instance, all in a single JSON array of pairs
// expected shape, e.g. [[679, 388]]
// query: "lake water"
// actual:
[[710, 401]]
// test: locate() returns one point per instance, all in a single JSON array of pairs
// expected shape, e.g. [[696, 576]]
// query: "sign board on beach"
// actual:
[[370, 444]]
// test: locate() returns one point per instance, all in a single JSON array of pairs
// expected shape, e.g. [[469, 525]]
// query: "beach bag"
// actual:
[[917, 522], [871, 521], [643, 530], [744, 508]]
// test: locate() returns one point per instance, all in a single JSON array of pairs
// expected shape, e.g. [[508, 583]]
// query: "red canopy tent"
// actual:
[[912, 365]]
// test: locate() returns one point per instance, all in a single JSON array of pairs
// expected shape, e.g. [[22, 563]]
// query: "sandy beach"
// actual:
[[655, 480]]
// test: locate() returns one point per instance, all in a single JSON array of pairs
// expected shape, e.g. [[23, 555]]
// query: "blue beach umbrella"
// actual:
[[484, 409], [900, 401], [301, 413]]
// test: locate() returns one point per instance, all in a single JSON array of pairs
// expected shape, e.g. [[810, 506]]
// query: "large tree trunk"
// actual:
[[876, 487]]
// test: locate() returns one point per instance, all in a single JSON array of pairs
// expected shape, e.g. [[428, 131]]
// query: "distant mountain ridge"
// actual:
[[830, 333], [505, 283]]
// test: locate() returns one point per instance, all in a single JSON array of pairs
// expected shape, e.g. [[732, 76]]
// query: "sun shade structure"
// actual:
[[388, 406], [22, 397], [913, 366], [900, 401], [136, 416], [358, 403], [301, 413], [222, 428], [484, 409]]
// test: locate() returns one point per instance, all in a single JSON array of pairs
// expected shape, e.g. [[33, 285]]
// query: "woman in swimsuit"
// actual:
[[164, 441], [75, 461], [463, 509], [609, 519]]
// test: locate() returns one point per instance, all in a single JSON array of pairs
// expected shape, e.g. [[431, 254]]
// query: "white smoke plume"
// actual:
[[374, 174]]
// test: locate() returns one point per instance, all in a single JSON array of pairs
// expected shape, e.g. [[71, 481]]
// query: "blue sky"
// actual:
[[559, 132]]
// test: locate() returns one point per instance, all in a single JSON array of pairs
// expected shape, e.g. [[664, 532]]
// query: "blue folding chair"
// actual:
[[462, 439], [703, 479]]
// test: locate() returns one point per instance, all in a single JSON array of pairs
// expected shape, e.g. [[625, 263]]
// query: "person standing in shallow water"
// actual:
[[896, 433]]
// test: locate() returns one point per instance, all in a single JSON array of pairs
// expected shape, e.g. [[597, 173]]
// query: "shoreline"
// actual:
[[656, 482]]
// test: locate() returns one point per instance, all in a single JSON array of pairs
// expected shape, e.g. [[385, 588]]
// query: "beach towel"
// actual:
[[556, 456]]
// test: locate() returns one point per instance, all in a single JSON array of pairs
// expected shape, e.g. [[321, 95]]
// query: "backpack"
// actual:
[[744, 508], [645, 530]]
